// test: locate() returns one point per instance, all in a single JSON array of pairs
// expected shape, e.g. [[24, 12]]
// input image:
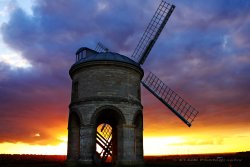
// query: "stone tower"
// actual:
[[105, 90]]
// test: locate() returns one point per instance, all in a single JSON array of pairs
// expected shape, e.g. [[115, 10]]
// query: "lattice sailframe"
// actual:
[[101, 48], [152, 31], [104, 140], [170, 98]]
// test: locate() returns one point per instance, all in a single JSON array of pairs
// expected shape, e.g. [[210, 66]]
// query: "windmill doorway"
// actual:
[[107, 121], [104, 143]]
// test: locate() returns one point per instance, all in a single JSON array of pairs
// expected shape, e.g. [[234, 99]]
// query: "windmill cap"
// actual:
[[89, 51], [89, 55]]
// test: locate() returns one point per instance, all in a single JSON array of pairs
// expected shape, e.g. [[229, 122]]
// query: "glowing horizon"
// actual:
[[202, 54], [171, 145]]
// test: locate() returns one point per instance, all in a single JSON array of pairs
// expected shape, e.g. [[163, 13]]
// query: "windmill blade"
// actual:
[[101, 48], [152, 31], [104, 141], [172, 100]]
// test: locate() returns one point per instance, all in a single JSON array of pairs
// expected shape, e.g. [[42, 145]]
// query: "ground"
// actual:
[[203, 160]]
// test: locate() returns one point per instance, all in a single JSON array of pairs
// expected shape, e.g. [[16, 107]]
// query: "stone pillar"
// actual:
[[126, 148], [73, 143], [139, 138], [114, 145], [87, 143], [139, 145]]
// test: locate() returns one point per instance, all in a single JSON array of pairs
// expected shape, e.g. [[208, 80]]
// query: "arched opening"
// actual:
[[138, 122], [73, 137], [104, 143], [107, 121]]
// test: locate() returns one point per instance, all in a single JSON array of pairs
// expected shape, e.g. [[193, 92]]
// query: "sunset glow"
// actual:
[[174, 145], [203, 54], [23, 148]]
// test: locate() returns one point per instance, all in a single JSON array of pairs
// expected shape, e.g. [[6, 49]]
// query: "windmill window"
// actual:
[[77, 57], [83, 54], [75, 90]]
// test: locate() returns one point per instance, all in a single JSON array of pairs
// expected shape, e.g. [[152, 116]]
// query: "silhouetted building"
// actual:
[[105, 91]]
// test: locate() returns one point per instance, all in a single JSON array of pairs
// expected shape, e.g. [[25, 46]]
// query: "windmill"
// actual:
[[182, 109]]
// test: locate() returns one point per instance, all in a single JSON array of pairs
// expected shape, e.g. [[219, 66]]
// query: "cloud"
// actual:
[[190, 56], [36, 100]]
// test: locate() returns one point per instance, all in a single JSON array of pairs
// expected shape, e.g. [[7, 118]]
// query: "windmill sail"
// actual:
[[101, 48], [152, 32], [104, 140], [172, 100]]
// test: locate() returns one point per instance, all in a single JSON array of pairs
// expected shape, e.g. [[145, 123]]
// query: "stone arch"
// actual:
[[73, 136], [78, 113], [138, 123], [114, 117], [111, 110]]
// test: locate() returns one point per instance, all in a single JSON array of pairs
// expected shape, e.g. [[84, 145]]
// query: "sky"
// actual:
[[203, 54]]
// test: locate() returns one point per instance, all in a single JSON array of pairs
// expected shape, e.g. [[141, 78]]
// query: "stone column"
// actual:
[[87, 143], [139, 145], [73, 143], [126, 150], [139, 138]]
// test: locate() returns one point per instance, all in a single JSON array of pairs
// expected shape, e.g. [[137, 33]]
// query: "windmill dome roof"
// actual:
[[107, 56]]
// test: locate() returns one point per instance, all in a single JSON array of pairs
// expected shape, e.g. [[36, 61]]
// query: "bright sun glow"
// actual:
[[152, 146], [159, 145], [37, 135], [23, 148], [194, 145]]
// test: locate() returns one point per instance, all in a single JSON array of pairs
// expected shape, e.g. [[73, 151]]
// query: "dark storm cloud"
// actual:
[[203, 54], [205, 58], [30, 105], [48, 39]]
